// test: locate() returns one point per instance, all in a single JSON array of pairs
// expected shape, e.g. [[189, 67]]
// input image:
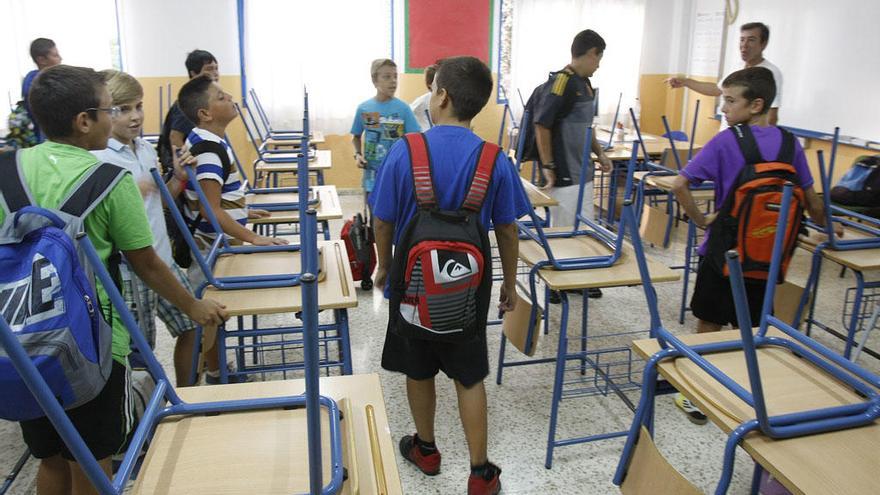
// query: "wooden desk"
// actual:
[[625, 272], [323, 161], [861, 260], [315, 137], [538, 198], [664, 183], [328, 207], [335, 291], [265, 452], [843, 463]]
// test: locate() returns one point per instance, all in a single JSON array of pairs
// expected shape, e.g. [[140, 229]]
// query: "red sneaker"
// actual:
[[487, 484], [428, 464]]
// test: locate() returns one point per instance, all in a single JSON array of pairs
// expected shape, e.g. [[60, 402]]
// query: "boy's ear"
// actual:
[[445, 100], [756, 106], [204, 115], [82, 123]]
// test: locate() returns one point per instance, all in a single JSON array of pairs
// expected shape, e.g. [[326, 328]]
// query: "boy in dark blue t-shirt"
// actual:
[[459, 91]]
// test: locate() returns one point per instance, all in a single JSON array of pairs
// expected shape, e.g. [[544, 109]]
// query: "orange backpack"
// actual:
[[747, 219]]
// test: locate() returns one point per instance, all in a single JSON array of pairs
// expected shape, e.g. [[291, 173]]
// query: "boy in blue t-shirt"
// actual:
[[459, 91], [746, 95], [382, 120]]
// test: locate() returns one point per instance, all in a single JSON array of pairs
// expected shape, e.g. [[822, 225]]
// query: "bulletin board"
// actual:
[[442, 28]]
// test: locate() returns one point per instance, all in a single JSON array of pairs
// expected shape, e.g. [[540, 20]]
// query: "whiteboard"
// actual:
[[829, 55]]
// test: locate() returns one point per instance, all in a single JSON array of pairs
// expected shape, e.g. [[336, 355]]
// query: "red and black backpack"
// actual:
[[747, 219], [441, 276]]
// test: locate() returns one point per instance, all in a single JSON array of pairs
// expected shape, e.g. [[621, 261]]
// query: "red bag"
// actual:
[[360, 244]]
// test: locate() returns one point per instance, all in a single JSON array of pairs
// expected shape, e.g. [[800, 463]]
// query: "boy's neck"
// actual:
[[217, 128], [123, 141], [78, 142], [759, 120], [754, 62], [451, 120], [382, 97]]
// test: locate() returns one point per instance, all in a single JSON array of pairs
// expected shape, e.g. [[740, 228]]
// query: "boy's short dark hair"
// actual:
[[585, 40], [760, 26], [757, 82], [468, 82], [430, 72], [197, 59], [40, 48], [193, 97], [60, 93]]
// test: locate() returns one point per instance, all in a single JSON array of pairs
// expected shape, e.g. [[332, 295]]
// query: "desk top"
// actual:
[[315, 137], [265, 451], [328, 207], [538, 198], [861, 260], [323, 161], [801, 464], [335, 291], [664, 183], [625, 272]]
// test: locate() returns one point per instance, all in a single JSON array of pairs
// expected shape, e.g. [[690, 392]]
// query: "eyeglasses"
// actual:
[[112, 111]]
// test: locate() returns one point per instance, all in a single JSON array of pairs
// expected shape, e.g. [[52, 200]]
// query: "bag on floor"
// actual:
[[747, 219], [441, 275], [180, 250], [47, 293], [360, 244], [860, 186]]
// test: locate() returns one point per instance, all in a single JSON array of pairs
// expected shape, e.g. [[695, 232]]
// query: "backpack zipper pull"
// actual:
[[89, 306]]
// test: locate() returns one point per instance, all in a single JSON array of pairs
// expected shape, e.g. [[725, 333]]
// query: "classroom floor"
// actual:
[[519, 409]]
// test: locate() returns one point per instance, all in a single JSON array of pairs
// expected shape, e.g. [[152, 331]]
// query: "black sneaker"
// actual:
[[594, 293]]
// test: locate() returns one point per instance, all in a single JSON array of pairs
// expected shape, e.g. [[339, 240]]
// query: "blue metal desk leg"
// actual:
[[854, 319], [561, 352], [345, 344], [221, 350], [584, 312], [811, 287], [756, 479], [498, 375]]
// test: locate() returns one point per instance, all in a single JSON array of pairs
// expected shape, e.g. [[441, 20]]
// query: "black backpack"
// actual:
[[179, 248], [860, 186], [441, 275], [527, 126]]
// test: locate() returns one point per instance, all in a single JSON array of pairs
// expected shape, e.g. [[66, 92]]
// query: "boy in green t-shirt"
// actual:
[[72, 106]]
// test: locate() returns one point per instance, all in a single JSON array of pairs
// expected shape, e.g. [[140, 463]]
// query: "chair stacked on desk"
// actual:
[[858, 250], [579, 258], [774, 392]]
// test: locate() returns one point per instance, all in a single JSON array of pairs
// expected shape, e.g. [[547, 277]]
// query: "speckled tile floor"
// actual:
[[519, 409]]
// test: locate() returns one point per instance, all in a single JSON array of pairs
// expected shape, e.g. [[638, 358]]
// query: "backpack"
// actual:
[[47, 293], [441, 274], [527, 126], [860, 185], [22, 133], [747, 219], [179, 248], [163, 145], [360, 244]]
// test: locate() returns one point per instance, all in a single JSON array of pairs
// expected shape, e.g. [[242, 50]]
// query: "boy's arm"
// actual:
[[155, 273], [359, 159], [384, 234], [508, 248], [604, 162], [682, 191], [544, 142], [816, 208], [211, 189]]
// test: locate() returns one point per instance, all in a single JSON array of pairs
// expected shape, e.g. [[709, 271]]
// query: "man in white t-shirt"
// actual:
[[753, 40]]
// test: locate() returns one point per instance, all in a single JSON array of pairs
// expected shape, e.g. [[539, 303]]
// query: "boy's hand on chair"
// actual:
[[262, 240], [838, 230], [605, 163], [206, 312], [507, 299], [257, 213]]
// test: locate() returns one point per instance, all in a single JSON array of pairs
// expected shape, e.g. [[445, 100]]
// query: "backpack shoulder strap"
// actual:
[[14, 193], [747, 144], [479, 185], [786, 149], [206, 146], [92, 189], [420, 164]]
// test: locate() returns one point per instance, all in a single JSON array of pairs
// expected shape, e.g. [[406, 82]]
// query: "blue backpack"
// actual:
[[47, 293]]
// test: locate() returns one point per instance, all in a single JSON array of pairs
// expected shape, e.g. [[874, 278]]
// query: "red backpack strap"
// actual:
[[420, 165], [482, 176]]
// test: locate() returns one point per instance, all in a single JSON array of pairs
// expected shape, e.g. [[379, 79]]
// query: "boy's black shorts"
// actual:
[[713, 297], [104, 422], [467, 362]]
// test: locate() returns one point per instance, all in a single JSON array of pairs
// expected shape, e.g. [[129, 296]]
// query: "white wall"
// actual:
[[666, 36], [828, 55], [157, 35]]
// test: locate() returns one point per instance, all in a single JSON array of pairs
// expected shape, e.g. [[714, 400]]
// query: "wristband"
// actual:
[[548, 166]]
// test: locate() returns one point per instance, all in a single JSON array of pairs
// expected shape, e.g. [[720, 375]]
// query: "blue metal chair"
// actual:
[[271, 132], [863, 224], [156, 410], [779, 426]]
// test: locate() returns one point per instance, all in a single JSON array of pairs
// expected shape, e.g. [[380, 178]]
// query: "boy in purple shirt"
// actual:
[[746, 95]]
